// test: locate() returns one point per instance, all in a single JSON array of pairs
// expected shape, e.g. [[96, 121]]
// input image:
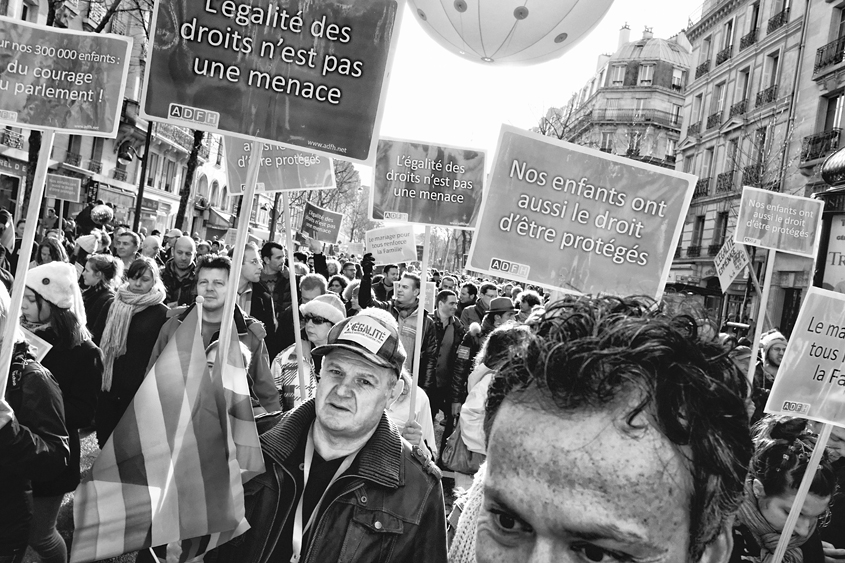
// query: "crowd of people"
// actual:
[[577, 429]]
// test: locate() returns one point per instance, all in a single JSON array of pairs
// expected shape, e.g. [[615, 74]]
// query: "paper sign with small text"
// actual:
[[69, 81], [281, 169], [321, 224], [63, 187], [583, 221], [730, 261], [427, 184], [391, 244], [308, 75], [787, 223], [811, 377]]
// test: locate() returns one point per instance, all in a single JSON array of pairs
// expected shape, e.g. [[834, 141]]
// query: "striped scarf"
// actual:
[[764, 534], [123, 308]]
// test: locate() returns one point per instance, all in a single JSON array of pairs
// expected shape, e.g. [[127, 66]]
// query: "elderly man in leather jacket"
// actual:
[[341, 483]]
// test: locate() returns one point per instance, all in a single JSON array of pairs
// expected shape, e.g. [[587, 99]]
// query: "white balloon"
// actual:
[[509, 31]]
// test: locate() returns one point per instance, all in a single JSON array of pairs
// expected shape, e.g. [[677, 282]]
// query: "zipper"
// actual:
[[317, 531]]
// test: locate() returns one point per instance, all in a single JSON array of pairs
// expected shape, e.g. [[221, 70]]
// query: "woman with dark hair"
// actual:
[[52, 309], [127, 330], [49, 250], [337, 283], [102, 276], [782, 448]]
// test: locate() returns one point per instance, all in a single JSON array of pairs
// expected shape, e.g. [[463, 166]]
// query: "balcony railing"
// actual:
[[693, 251], [725, 181], [658, 117], [73, 158], [119, 175], [702, 187], [767, 96], [739, 108], [778, 20], [677, 85], [830, 54], [748, 39], [702, 69], [178, 135], [820, 144], [95, 166], [694, 129], [723, 55], [713, 249], [714, 120], [751, 175], [11, 139]]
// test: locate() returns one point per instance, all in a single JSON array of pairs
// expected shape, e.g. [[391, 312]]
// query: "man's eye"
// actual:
[[598, 554], [509, 524]]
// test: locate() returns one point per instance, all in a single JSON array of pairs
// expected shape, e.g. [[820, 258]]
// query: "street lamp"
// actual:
[[125, 153]]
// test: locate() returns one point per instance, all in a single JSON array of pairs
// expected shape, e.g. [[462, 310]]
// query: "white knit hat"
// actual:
[[88, 243], [56, 282], [329, 306]]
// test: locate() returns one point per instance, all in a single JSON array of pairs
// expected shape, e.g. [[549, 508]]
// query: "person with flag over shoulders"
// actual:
[[341, 484]]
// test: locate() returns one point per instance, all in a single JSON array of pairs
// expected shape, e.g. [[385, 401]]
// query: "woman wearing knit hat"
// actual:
[[127, 330], [53, 309], [319, 316]]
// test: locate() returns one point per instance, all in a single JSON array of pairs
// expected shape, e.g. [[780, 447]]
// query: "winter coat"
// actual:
[[95, 300], [440, 331], [79, 373], [251, 333], [129, 369], [32, 446], [474, 313], [387, 508], [268, 306], [465, 358], [181, 291]]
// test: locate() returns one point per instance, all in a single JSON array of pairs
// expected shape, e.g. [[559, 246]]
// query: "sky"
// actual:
[[437, 97]]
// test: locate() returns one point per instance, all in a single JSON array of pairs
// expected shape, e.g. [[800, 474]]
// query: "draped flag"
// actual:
[[169, 472]]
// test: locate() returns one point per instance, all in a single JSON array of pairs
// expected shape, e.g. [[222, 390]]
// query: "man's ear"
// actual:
[[719, 550], [396, 391]]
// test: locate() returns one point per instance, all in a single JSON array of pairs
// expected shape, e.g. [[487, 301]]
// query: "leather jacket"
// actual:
[[387, 508], [459, 330]]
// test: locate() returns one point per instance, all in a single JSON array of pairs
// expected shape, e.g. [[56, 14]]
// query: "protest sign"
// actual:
[[834, 267], [730, 261], [230, 237], [63, 187], [391, 244], [427, 184], [309, 75], [321, 224], [430, 296], [579, 220], [778, 221], [811, 378], [69, 81], [280, 168]]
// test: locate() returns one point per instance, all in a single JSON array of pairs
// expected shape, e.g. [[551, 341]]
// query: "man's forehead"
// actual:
[[212, 274], [354, 362]]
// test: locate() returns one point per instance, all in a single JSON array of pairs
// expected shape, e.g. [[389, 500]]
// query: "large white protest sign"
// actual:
[[783, 222]]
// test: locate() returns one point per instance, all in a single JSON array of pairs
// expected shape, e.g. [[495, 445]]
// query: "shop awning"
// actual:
[[219, 219]]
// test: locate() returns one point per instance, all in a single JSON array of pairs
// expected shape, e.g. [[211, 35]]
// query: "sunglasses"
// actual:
[[316, 320]]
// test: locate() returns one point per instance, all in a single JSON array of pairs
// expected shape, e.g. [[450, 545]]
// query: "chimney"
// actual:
[[648, 33], [602, 60], [624, 35]]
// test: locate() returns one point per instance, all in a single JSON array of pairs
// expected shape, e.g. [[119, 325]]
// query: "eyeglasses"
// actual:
[[316, 320]]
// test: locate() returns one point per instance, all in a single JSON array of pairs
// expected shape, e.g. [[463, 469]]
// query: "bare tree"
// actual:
[[187, 184], [558, 122], [357, 217]]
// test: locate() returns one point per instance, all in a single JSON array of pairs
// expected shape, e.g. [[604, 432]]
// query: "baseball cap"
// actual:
[[373, 334], [173, 233]]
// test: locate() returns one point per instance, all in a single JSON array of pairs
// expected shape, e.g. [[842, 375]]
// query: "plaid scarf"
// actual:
[[764, 534]]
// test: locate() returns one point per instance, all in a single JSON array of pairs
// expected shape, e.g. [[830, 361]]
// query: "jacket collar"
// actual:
[[379, 461], [240, 321]]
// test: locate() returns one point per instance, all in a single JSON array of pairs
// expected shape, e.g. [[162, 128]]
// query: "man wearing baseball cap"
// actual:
[[341, 484]]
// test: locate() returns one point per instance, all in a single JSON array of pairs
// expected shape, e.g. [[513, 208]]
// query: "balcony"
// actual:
[[702, 187], [767, 96], [694, 130], [693, 251], [748, 39], [658, 117], [819, 145], [725, 181], [739, 108], [177, 135], [95, 166], [778, 20], [73, 158], [11, 139], [713, 249], [119, 175], [702, 69], [714, 120], [752, 175], [829, 55], [723, 55]]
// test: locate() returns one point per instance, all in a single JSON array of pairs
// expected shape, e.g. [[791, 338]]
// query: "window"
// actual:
[[592, 87], [698, 230], [742, 83], [704, 55], [840, 28], [833, 114], [74, 144], [718, 103], [721, 229], [219, 150], [639, 108], [618, 76], [727, 34], [731, 154], [697, 108], [612, 107], [601, 78], [646, 75], [634, 138], [707, 164], [688, 164], [678, 77], [753, 16], [97, 149], [761, 145], [606, 141], [676, 114], [770, 70], [780, 6], [670, 150], [152, 169]]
